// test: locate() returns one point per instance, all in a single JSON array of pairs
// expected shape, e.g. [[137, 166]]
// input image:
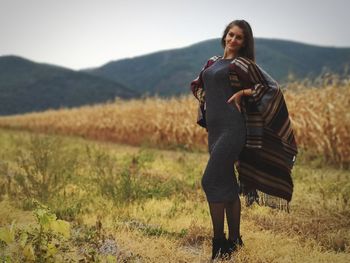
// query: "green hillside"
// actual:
[[169, 72], [26, 86]]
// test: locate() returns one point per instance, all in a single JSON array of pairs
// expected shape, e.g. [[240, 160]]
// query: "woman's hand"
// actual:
[[236, 98]]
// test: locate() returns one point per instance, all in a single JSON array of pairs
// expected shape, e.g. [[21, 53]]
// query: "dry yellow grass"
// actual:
[[316, 229], [319, 116]]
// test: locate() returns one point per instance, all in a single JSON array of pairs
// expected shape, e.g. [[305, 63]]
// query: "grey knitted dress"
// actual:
[[226, 134]]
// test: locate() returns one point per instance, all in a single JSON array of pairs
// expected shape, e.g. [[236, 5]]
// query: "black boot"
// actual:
[[233, 245], [219, 247]]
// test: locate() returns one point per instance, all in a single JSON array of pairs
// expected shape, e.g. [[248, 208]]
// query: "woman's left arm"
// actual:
[[256, 82], [239, 77]]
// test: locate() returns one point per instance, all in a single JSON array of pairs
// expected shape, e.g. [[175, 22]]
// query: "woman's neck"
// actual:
[[229, 56]]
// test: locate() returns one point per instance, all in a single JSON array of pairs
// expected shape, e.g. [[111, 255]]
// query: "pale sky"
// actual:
[[88, 33]]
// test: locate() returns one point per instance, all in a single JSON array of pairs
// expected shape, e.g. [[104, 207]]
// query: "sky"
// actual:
[[80, 34]]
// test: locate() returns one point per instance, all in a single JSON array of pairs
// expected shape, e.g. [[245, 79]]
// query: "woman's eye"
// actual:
[[238, 37]]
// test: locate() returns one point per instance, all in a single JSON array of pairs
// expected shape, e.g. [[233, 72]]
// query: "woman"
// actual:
[[247, 120]]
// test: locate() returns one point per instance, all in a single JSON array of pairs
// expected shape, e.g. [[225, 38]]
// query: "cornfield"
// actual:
[[319, 117]]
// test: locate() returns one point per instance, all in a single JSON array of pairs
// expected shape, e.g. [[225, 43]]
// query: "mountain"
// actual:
[[169, 72], [26, 86]]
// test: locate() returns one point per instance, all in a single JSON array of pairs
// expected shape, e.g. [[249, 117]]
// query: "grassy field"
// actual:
[[67, 199]]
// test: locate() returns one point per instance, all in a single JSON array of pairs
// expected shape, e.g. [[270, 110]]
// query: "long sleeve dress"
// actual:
[[270, 150], [226, 134]]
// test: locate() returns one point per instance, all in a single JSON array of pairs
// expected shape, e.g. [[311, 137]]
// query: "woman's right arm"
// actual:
[[197, 84]]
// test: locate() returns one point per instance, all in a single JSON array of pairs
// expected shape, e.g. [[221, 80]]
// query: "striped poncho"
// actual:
[[266, 161]]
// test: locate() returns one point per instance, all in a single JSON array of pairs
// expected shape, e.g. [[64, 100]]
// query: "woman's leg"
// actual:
[[217, 217], [233, 216], [219, 242], [219, 185]]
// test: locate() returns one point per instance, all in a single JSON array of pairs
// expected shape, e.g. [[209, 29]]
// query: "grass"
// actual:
[[142, 204]]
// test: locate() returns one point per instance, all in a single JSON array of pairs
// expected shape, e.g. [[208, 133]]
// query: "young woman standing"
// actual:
[[244, 113]]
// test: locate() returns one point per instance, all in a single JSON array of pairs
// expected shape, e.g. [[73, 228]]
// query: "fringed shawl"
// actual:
[[266, 161]]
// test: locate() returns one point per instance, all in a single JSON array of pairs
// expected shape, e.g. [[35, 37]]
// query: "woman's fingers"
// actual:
[[236, 102], [236, 99], [238, 106], [232, 98]]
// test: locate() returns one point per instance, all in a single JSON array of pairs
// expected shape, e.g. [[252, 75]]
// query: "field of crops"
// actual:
[[320, 118]]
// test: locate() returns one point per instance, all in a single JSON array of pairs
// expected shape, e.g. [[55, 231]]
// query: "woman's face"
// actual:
[[234, 39]]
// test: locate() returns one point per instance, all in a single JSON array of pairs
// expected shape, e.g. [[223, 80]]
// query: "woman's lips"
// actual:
[[233, 45]]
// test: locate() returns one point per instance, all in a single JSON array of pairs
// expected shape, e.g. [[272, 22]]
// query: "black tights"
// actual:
[[233, 216]]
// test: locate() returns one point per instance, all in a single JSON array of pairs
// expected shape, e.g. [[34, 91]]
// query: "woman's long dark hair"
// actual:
[[247, 50]]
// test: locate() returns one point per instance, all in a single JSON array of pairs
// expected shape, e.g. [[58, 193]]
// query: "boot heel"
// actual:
[[219, 248], [234, 245]]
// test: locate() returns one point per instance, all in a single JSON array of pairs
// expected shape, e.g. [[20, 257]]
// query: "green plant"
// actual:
[[44, 167], [44, 242], [123, 180]]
